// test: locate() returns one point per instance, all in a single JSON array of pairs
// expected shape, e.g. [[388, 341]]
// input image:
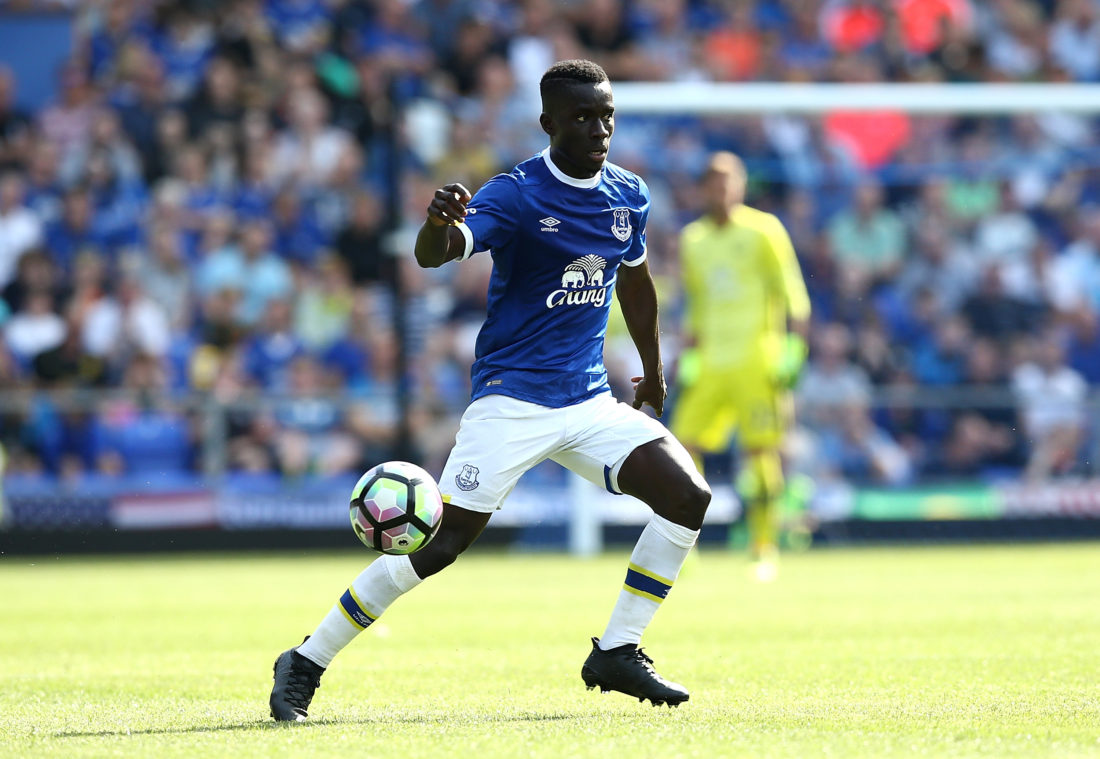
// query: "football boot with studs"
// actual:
[[627, 669]]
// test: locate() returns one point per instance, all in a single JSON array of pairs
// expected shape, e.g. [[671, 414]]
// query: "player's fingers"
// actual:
[[460, 190], [447, 207], [450, 199]]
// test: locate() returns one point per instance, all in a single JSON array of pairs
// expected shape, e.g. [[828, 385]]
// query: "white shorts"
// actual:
[[500, 438]]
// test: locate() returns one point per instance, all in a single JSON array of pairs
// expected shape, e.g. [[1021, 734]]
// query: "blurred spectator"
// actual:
[[831, 381], [325, 300], [309, 151], [218, 101], [735, 50], [251, 268], [1076, 272], [15, 125], [165, 276], [20, 228], [141, 434], [869, 238], [1074, 39], [360, 245], [74, 232], [942, 360], [926, 24], [852, 25], [127, 324], [1051, 398], [939, 264], [993, 312], [297, 236], [863, 453], [273, 347], [106, 141], [310, 435], [35, 328], [1007, 235], [36, 273], [43, 184], [67, 121]]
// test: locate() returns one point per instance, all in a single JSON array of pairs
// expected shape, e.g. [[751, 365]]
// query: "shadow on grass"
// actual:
[[267, 724]]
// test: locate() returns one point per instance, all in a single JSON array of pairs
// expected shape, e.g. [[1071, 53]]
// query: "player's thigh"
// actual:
[[602, 432], [499, 438], [704, 418], [662, 474]]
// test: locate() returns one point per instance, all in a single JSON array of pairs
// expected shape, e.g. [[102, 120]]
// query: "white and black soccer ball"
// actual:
[[396, 508]]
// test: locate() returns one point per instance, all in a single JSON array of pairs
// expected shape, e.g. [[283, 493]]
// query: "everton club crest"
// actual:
[[620, 223], [467, 478]]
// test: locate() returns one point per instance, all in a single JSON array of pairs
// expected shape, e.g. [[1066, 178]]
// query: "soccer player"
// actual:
[[747, 318], [564, 228]]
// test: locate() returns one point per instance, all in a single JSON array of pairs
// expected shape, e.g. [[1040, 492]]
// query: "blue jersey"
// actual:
[[556, 243]]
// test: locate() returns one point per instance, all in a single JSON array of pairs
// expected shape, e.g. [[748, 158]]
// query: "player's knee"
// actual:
[[691, 505], [441, 553]]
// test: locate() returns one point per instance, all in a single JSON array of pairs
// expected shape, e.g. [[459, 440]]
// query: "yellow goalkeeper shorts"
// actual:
[[742, 400]]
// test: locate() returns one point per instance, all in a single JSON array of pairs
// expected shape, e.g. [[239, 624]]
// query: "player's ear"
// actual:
[[546, 123]]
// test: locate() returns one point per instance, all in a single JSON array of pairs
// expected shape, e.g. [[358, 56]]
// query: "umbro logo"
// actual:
[[549, 223]]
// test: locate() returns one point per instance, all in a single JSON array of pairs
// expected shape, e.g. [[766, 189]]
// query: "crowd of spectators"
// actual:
[[207, 211]]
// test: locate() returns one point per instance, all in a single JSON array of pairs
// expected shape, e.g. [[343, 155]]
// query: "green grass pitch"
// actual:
[[932, 652]]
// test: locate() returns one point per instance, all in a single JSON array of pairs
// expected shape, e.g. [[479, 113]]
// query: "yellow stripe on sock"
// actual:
[[362, 606], [651, 575], [349, 618]]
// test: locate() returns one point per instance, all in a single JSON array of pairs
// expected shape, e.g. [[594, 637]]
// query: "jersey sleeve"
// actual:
[[637, 253], [789, 275], [692, 281], [492, 214]]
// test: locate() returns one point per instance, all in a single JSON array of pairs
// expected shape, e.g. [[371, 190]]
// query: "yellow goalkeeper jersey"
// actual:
[[741, 281]]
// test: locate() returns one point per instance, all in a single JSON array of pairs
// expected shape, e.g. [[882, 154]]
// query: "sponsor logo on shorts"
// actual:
[[467, 478]]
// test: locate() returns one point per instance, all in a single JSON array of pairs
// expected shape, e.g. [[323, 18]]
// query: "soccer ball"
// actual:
[[396, 508]]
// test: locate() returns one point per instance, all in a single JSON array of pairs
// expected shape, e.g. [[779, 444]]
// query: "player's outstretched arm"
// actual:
[[440, 240], [638, 298]]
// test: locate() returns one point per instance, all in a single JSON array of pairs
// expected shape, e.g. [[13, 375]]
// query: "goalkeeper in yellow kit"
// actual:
[[747, 316]]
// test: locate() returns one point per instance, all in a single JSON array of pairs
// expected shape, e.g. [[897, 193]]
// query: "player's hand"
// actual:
[[650, 390], [449, 205], [792, 357], [689, 367]]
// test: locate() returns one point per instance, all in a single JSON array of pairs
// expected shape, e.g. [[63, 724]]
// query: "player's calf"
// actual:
[[628, 670]]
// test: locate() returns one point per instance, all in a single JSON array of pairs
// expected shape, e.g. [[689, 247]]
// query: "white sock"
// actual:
[[654, 565], [370, 594]]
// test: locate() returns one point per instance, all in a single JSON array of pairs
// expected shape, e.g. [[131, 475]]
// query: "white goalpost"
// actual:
[[728, 99], [655, 99]]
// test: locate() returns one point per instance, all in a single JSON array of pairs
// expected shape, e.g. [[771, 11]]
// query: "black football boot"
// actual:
[[296, 680], [628, 670]]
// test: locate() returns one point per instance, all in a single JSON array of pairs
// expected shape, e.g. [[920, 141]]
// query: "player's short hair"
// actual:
[[725, 162], [564, 74]]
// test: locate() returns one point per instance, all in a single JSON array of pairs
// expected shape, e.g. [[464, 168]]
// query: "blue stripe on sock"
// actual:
[[639, 581], [358, 616]]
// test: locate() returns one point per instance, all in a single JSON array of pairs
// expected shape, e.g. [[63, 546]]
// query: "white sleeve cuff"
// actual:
[[637, 261], [469, 237]]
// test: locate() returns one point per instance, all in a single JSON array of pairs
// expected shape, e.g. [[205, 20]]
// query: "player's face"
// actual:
[[722, 191], [580, 123]]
